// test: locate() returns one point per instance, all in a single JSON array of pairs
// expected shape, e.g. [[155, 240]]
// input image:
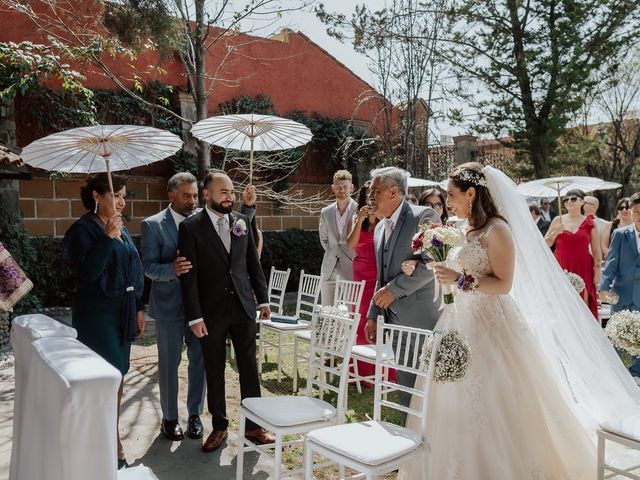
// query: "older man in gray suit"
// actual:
[[402, 299], [335, 221]]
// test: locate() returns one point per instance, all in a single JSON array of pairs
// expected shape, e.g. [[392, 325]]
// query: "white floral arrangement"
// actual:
[[339, 311], [453, 358], [576, 281], [623, 329]]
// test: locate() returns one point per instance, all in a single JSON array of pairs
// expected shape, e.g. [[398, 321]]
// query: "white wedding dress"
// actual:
[[507, 419]]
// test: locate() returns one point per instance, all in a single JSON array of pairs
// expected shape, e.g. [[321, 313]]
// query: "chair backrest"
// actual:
[[401, 347], [308, 293], [277, 287], [349, 293], [332, 336]]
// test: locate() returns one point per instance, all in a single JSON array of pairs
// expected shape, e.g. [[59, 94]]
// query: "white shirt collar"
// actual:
[[214, 216], [393, 219], [177, 217]]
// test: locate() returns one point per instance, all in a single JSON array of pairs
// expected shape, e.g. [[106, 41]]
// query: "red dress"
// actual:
[[573, 255], [364, 268]]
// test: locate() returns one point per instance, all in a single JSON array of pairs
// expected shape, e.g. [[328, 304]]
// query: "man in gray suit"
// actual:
[[163, 265], [402, 299], [335, 220]]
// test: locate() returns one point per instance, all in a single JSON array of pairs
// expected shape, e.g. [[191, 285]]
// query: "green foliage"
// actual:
[[295, 249], [537, 60], [60, 110], [24, 65], [260, 104], [184, 161], [136, 21]]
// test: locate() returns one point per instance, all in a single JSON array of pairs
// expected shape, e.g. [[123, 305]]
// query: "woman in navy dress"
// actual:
[[107, 308]]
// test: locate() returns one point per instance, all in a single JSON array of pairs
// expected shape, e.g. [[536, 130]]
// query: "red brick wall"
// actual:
[[49, 207]]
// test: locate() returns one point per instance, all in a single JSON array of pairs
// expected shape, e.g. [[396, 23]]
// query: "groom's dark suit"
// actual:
[[220, 289]]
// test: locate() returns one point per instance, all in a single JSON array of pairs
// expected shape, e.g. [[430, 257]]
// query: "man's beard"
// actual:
[[217, 207], [186, 212]]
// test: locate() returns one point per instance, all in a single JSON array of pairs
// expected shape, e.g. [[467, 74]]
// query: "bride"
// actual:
[[542, 376]]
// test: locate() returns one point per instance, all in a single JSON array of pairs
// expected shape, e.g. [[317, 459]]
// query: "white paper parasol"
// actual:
[[252, 132], [101, 148]]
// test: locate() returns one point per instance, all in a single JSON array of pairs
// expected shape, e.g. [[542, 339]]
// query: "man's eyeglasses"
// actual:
[[571, 199], [433, 205], [544, 204], [624, 207]]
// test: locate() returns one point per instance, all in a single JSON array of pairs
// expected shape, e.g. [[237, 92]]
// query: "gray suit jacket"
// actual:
[[159, 244], [414, 305], [335, 245]]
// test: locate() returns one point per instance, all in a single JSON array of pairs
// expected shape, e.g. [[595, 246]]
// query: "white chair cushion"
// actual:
[[369, 351], [285, 326], [304, 335], [371, 443], [627, 426], [288, 411]]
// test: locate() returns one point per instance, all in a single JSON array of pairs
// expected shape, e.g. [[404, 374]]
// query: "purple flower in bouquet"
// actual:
[[436, 242]]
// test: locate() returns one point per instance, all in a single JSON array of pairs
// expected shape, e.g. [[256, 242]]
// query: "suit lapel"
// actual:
[[170, 226], [378, 242], [212, 235], [396, 229], [234, 238], [631, 238], [331, 221]]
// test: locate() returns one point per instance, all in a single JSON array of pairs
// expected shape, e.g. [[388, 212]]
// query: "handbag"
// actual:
[[14, 283]]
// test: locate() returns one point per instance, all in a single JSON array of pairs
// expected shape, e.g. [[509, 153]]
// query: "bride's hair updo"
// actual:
[[483, 208]]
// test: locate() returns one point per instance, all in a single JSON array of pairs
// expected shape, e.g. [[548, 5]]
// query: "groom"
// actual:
[[622, 268], [403, 299], [218, 294]]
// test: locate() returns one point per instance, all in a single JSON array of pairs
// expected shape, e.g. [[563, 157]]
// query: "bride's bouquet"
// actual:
[[436, 241], [623, 329], [453, 358], [576, 281]]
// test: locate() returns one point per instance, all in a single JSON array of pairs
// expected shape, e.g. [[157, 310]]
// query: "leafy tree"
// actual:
[[533, 62]]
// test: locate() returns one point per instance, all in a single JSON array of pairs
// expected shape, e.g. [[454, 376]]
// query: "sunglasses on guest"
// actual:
[[624, 207], [433, 205], [571, 199]]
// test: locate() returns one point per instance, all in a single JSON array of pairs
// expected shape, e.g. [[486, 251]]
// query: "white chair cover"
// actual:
[[68, 429], [24, 330]]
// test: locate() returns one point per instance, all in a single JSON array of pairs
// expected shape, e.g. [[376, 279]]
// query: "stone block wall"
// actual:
[[49, 207]]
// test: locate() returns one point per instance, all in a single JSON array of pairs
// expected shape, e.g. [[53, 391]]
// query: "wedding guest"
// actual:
[[541, 223], [364, 265], [590, 207], [107, 309], [573, 234], [545, 210], [412, 199], [623, 219], [163, 265], [622, 269], [333, 230], [435, 198]]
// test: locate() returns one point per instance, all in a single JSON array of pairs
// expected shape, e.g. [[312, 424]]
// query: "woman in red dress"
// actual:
[[573, 234], [364, 264]]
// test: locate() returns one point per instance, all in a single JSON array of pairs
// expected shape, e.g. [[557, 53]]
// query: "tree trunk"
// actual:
[[539, 151], [199, 84]]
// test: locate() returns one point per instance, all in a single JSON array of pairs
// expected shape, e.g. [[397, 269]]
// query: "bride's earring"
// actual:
[[95, 210], [470, 207]]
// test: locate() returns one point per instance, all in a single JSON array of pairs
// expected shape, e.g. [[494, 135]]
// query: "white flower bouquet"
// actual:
[[436, 241], [576, 281], [339, 311], [623, 329], [453, 358]]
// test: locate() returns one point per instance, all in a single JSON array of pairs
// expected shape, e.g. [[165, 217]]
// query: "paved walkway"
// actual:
[[139, 426]]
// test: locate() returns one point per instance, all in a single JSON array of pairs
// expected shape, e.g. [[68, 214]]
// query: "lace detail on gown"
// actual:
[[507, 418]]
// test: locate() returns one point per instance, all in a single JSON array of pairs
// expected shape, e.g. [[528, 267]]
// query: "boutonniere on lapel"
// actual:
[[239, 228]]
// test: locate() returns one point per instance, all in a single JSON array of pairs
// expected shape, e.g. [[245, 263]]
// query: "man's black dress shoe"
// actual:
[[122, 463], [195, 429], [171, 430]]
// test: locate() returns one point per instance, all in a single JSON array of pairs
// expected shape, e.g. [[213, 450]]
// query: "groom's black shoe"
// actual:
[[195, 429], [171, 430]]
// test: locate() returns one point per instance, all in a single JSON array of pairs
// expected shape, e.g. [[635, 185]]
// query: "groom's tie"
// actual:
[[224, 234]]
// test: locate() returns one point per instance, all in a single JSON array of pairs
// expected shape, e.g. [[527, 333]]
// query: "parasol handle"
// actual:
[[559, 206], [251, 161], [113, 194]]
